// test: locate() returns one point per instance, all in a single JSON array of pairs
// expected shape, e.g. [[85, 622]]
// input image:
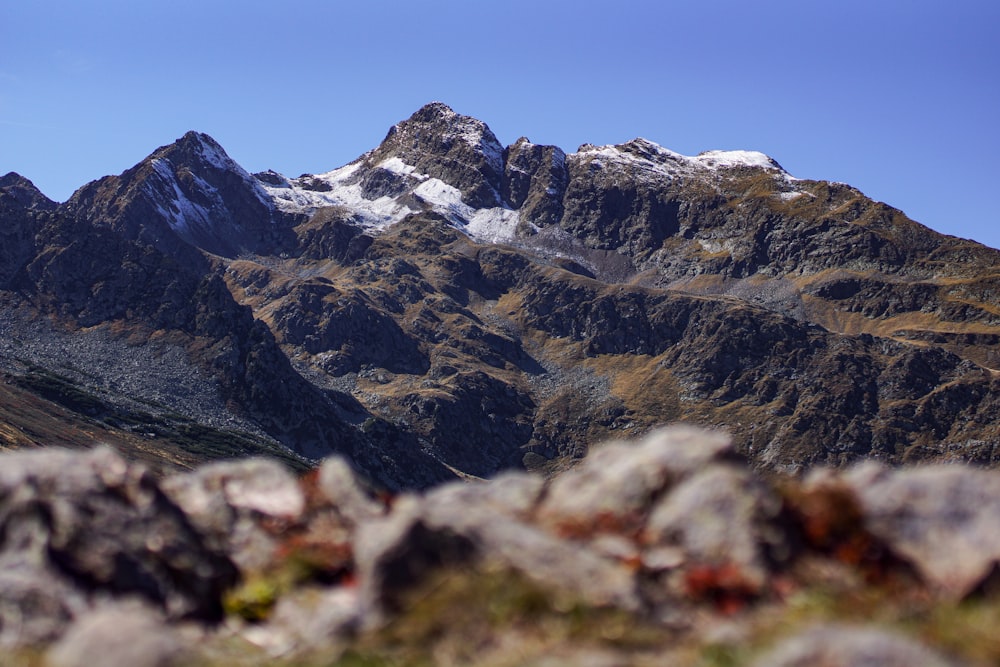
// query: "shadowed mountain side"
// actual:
[[135, 297]]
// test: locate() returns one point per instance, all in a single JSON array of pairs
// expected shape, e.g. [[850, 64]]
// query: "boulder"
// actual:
[[125, 635], [99, 524], [516, 494], [422, 535], [308, 620], [36, 604], [338, 485], [943, 519], [240, 506], [614, 488], [845, 646], [720, 517]]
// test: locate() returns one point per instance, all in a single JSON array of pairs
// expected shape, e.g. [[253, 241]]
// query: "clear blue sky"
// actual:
[[900, 98]]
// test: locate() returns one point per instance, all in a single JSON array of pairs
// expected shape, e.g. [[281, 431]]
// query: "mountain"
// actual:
[[444, 305]]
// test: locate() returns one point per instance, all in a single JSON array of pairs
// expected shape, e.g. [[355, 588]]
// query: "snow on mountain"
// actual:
[[343, 187], [651, 157], [730, 159], [412, 191], [211, 153], [180, 212], [180, 191]]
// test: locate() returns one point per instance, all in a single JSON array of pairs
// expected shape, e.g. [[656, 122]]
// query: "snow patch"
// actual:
[[730, 159], [397, 166], [214, 155], [494, 225], [344, 189], [179, 211], [650, 156]]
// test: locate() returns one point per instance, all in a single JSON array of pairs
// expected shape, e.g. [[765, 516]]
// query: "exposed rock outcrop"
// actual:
[[459, 150]]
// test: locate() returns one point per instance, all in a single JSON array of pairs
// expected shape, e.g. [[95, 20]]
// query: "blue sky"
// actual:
[[898, 98]]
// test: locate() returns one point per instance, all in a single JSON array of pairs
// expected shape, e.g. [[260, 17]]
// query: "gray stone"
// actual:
[[944, 519], [721, 515], [423, 534], [126, 635], [228, 502], [36, 605], [513, 493], [616, 484], [99, 523], [339, 485], [308, 620], [843, 646]]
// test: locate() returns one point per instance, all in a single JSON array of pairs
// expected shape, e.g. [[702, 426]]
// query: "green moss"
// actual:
[[474, 616], [253, 599], [722, 655], [968, 628]]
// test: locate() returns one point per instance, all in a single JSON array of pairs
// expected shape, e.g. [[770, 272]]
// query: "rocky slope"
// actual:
[[668, 550], [147, 349], [446, 305]]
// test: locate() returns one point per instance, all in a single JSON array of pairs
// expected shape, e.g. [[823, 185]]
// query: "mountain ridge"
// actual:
[[445, 303]]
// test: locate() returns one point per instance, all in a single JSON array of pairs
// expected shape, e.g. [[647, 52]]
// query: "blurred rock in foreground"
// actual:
[[666, 550]]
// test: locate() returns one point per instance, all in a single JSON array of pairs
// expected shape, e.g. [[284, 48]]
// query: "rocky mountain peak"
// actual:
[[459, 150], [433, 111], [435, 161], [197, 149], [25, 192], [190, 189]]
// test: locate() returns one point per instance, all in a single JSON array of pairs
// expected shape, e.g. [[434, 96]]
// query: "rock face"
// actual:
[[18, 198], [458, 150], [189, 190], [446, 305], [80, 526], [677, 553]]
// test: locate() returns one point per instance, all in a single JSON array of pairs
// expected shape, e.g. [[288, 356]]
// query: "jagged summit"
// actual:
[[198, 148], [460, 150], [25, 192], [438, 159], [190, 189], [12, 179], [439, 125]]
